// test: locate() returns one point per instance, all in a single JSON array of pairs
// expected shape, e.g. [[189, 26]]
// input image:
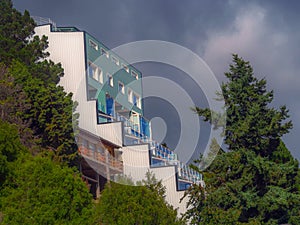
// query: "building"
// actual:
[[114, 138]]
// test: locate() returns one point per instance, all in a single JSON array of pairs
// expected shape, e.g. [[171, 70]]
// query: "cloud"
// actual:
[[271, 50], [255, 39]]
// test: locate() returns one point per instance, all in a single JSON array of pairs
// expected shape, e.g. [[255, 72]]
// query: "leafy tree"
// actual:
[[123, 204], [257, 181], [43, 192], [153, 184], [10, 149]]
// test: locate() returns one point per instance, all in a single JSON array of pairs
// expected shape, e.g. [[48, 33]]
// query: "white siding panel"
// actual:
[[136, 165], [68, 49], [111, 132]]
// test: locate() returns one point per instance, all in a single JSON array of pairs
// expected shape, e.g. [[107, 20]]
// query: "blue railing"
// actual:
[[159, 154]]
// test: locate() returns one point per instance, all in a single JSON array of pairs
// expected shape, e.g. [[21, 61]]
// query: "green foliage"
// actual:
[[10, 149], [43, 192], [250, 122], [123, 204], [13, 105], [153, 184], [16, 31], [257, 181], [244, 187], [49, 112]]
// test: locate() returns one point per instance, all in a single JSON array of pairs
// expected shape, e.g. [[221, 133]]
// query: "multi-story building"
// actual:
[[114, 138]]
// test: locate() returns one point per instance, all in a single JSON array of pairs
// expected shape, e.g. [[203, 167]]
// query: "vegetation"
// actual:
[[127, 204], [40, 191], [38, 181], [32, 79], [257, 180]]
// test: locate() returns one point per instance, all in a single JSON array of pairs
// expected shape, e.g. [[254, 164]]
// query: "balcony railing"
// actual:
[[106, 159], [159, 154]]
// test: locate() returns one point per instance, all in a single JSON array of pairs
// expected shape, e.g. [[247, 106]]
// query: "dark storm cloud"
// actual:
[[264, 32]]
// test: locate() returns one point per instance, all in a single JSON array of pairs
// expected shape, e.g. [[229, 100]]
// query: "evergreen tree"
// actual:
[[257, 180], [49, 111], [250, 123]]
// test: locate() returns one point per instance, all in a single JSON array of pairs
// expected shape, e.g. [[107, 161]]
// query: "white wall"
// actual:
[[136, 164], [68, 48]]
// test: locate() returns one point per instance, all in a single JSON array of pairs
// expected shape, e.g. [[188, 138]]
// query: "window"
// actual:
[[133, 73], [104, 52], [136, 100], [110, 80], [121, 88], [126, 68], [93, 45], [129, 95], [95, 72], [100, 75], [115, 60]]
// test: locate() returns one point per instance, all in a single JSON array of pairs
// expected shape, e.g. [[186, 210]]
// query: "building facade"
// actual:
[[114, 137]]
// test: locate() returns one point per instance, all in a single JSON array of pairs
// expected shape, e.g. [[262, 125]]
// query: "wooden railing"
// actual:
[[104, 157]]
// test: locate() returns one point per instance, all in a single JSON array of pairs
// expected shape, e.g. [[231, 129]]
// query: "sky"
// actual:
[[266, 33]]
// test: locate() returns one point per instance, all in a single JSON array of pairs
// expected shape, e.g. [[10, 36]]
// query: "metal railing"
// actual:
[[160, 155], [42, 21]]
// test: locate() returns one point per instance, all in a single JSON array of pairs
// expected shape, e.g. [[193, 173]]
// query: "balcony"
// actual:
[[159, 155], [102, 158]]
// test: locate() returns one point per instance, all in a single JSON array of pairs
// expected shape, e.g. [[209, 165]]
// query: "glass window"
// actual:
[[129, 95], [100, 75], [126, 68], [115, 60], [134, 74], [93, 45], [104, 52], [110, 80], [95, 72], [121, 88], [136, 100]]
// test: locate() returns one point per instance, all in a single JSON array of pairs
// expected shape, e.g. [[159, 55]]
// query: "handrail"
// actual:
[[157, 151], [101, 157]]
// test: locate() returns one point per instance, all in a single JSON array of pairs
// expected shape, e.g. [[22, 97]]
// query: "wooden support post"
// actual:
[[98, 187], [107, 166]]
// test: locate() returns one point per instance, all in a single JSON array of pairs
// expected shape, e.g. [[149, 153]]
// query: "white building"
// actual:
[[114, 137]]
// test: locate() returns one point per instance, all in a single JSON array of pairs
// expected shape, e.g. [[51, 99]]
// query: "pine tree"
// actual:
[[50, 111], [250, 123], [257, 180]]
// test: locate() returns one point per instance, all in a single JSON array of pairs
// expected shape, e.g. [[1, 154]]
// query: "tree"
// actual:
[[13, 105], [41, 191], [129, 204], [50, 112], [153, 184], [10, 149], [250, 122], [257, 180]]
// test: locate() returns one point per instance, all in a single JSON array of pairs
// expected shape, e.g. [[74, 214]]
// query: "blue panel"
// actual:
[[144, 127], [183, 185], [110, 108]]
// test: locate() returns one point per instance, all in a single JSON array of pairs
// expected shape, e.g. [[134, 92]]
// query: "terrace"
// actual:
[[139, 133]]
